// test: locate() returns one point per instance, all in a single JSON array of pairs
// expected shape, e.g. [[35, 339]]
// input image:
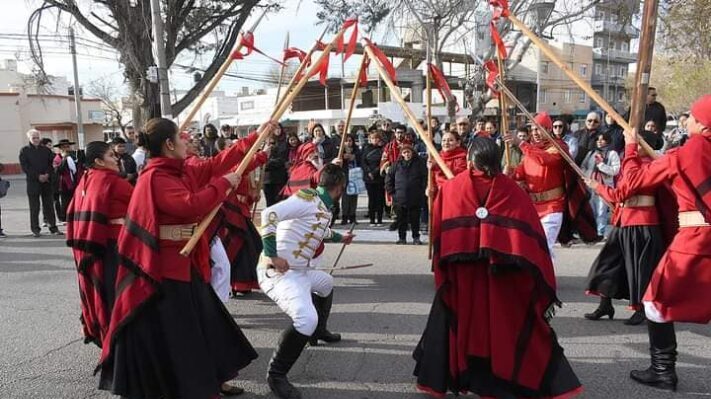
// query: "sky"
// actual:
[[96, 63]]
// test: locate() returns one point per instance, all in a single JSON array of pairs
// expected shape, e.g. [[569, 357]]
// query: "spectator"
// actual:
[[615, 132], [406, 182], [293, 141], [492, 131], [227, 132], [678, 136], [480, 126], [374, 182], [562, 131], [139, 156], [655, 110], [586, 137], [515, 153], [386, 128], [130, 134], [209, 142], [56, 159], [523, 134], [437, 132], [275, 170], [36, 163], [326, 149], [655, 139], [127, 166], [68, 172], [338, 134], [351, 159], [4, 185], [463, 127], [602, 165]]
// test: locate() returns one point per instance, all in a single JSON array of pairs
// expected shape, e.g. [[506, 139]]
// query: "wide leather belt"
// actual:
[[117, 221], [692, 219], [639, 201], [176, 232], [547, 195]]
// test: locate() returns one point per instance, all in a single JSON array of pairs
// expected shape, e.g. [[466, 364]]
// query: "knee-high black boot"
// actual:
[[662, 347], [291, 344], [604, 309], [323, 308]]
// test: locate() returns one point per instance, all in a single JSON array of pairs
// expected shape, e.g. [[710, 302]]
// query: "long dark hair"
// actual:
[[95, 150], [158, 130], [486, 156]]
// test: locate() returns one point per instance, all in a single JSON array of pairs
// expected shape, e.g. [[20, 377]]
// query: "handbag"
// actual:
[[356, 185], [4, 186]]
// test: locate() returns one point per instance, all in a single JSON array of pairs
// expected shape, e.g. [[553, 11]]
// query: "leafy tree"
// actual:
[[193, 28], [685, 29], [680, 81]]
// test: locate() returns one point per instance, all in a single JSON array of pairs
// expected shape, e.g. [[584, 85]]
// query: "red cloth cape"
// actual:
[[88, 233], [455, 159], [302, 174], [488, 268]]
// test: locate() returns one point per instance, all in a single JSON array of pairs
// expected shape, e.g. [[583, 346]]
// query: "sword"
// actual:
[[344, 267]]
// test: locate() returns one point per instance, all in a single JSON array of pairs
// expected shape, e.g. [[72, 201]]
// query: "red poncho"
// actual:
[[101, 196], [303, 173], [495, 286], [455, 159]]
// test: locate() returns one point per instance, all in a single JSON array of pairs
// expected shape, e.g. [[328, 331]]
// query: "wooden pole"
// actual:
[[354, 95], [263, 132], [218, 76], [502, 105], [343, 248], [644, 64], [395, 92], [577, 79], [430, 174]]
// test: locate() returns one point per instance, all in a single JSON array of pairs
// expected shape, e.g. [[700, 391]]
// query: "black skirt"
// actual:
[[243, 273], [181, 344], [625, 264]]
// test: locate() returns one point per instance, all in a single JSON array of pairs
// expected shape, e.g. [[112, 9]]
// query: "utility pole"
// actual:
[[159, 54], [77, 93], [644, 63]]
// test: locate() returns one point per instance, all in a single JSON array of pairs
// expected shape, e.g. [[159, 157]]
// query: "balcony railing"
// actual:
[[614, 55], [615, 27]]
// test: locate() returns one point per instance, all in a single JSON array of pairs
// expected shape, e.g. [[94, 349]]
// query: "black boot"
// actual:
[[291, 344], [604, 309], [662, 347], [323, 308], [636, 319]]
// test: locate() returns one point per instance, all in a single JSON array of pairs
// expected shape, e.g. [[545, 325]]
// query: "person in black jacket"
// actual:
[[36, 162], [275, 170], [615, 132], [351, 159], [406, 182], [586, 137], [127, 165], [374, 182]]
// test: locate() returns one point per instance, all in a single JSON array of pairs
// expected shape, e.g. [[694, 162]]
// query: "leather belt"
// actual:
[[548, 195], [117, 221], [639, 201], [176, 232], [692, 219]]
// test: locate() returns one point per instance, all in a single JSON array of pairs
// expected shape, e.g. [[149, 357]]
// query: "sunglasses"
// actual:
[[593, 121], [557, 126]]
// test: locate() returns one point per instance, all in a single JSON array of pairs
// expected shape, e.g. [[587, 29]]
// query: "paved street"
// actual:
[[381, 312]]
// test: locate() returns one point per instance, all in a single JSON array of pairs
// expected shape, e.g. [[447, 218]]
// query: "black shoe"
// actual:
[[56, 232], [401, 242], [416, 241], [662, 379], [323, 309], [36, 234], [2, 234], [230, 390], [291, 344], [393, 227], [604, 309], [344, 222], [636, 319]]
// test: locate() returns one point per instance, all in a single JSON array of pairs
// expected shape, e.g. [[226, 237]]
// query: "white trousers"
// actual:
[[220, 276], [292, 293], [552, 223]]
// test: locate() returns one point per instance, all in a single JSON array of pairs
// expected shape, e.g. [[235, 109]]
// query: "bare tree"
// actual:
[[443, 24], [106, 91], [685, 26], [194, 28]]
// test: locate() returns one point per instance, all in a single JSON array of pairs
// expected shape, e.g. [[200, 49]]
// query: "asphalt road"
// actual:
[[381, 312]]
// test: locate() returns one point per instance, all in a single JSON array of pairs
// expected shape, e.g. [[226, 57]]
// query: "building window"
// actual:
[[620, 96], [544, 67], [247, 105], [600, 15], [611, 44], [583, 97], [599, 42], [544, 96], [598, 69], [624, 46], [583, 69], [623, 71], [567, 95]]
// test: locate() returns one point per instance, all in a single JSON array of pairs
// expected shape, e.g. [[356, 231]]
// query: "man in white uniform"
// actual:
[[293, 232]]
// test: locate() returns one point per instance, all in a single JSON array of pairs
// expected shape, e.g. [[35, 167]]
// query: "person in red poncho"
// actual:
[[453, 155], [94, 218], [303, 171], [170, 336], [556, 192], [680, 288], [488, 331]]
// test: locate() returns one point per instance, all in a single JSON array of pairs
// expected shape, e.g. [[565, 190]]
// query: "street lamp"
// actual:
[[542, 11]]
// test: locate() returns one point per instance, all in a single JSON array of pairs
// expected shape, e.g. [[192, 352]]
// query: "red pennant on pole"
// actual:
[[501, 8], [383, 60], [440, 83], [352, 41], [293, 52], [322, 70], [363, 76], [501, 47], [248, 44], [492, 73]]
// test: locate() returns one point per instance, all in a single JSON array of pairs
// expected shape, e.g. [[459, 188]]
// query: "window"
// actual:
[[611, 45], [624, 46], [246, 105], [544, 96], [623, 71], [583, 69], [620, 96], [598, 69], [600, 15], [566, 95], [544, 66], [599, 42], [582, 97]]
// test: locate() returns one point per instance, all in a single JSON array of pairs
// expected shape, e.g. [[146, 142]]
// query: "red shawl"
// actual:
[[695, 169], [455, 159], [491, 267], [88, 234], [302, 174]]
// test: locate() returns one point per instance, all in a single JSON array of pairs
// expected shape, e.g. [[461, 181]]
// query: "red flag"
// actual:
[[383, 59], [352, 41], [492, 72], [440, 82], [363, 76], [248, 43], [320, 46], [501, 8], [293, 52], [322, 69], [501, 47]]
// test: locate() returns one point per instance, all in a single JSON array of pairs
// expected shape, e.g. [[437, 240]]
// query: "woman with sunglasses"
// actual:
[[587, 137], [562, 131]]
